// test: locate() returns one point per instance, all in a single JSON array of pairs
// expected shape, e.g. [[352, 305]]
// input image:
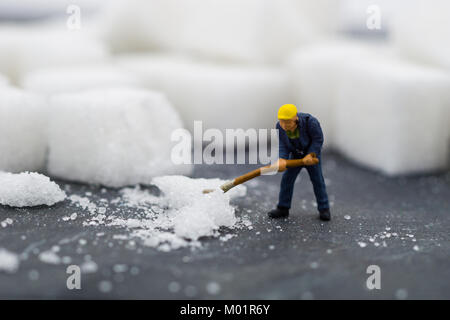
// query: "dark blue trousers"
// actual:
[[316, 177]]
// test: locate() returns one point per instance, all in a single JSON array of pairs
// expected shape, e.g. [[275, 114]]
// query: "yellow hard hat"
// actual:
[[286, 112]]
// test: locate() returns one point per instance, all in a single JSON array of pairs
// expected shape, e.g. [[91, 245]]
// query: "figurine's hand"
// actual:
[[308, 160], [281, 165]]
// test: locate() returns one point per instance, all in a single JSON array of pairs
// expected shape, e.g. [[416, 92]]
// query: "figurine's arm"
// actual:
[[316, 134], [283, 151]]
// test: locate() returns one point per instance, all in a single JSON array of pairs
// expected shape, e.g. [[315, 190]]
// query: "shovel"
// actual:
[[263, 170]]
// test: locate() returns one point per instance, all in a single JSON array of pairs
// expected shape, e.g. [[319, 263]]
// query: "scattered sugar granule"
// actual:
[[49, 257], [401, 294], [120, 268], [213, 288], [105, 286], [33, 275], [66, 260], [174, 287], [89, 267], [9, 261], [120, 237], [362, 244], [227, 237], [190, 291], [84, 203], [6, 222]]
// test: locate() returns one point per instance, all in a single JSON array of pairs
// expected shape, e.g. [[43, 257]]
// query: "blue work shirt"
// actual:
[[310, 140]]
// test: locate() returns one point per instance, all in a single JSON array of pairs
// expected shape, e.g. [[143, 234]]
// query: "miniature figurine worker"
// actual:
[[300, 135]]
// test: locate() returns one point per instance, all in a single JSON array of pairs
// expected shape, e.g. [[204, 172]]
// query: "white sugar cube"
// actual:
[[113, 137], [23, 122], [393, 116]]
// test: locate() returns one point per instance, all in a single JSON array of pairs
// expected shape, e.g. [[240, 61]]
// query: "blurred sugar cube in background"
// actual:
[[422, 32], [222, 96], [114, 137], [375, 73], [23, 123], [315, 73], [34, 46], [250, 31], [3, 80], [28, 10], [76, 79], [390, 115]]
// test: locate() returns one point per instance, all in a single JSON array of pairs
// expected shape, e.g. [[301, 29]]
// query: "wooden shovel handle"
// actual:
[[248, 176], [256, 173], [299, 162]]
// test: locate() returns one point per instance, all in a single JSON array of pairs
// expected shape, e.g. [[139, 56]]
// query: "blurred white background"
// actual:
[[375, 73]]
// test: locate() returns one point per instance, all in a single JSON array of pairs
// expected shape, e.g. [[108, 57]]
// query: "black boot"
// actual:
[[325, 215], [279, 212]]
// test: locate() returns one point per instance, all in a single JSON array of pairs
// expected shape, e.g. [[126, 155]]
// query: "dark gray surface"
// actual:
[[247, 266]]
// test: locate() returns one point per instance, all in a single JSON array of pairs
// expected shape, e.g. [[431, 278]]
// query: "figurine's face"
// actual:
[[289, 125]]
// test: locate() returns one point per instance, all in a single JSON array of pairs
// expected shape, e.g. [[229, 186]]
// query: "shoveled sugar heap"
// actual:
[[178, 217], [193, 213], [28, 189]]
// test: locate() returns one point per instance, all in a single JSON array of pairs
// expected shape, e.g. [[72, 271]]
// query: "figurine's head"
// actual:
[[287, 115]]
